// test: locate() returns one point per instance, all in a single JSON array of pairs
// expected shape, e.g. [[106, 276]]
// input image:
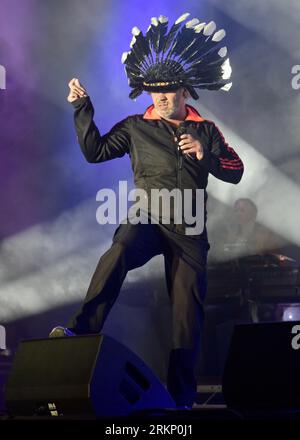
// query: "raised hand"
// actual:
[[76, 90]]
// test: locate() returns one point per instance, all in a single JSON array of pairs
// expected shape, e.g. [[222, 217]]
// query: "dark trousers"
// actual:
[[185, 268]]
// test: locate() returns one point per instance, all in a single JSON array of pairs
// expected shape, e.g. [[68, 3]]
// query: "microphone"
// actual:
[[182, 129], [178, 132]]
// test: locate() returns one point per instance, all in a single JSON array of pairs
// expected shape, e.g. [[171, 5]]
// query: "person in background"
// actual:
[[245, 232]]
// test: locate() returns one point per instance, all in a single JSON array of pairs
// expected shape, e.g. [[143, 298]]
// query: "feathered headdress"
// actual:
[[189, 55]]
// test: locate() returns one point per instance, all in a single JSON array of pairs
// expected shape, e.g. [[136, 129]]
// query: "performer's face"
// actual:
[[170, 105]]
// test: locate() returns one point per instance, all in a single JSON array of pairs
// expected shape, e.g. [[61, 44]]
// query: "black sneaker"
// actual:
[[60, 332]]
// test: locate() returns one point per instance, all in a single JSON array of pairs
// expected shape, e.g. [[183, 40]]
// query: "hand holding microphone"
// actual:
[[188, 144]]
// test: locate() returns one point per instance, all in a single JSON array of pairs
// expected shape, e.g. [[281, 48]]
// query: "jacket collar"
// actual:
[[192, 114]]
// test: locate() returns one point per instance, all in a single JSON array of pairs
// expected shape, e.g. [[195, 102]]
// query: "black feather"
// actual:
[[135, 93], [153, 34], [172, 32], [209, 54], [141, 49], [162, 32], [184, 39]]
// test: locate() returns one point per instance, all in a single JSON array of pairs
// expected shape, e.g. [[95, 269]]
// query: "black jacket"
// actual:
[[155, 158]]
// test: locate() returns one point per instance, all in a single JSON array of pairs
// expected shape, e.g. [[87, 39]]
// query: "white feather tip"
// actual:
[[223, 52], [124, 57], [192, 23], [162, 19], [209, 28], [133, 40], [182, 18], [226, 69], [227, 87], [199, 27], [135, 31], [218, 36], [154, 21]]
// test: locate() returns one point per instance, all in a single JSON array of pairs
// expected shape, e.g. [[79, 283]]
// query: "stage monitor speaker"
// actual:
[[263, 366], [89, 375]]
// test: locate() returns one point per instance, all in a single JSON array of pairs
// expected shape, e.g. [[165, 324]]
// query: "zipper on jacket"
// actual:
[[178, 227]]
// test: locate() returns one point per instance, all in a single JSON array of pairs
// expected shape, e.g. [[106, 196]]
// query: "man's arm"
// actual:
[[221, 160], [96, 148], [216, 156]]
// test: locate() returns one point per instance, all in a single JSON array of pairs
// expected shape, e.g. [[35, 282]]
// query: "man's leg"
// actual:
[[133, 246], [187, 288]]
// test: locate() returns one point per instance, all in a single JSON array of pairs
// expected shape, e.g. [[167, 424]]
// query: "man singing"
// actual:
[[171, 147]]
